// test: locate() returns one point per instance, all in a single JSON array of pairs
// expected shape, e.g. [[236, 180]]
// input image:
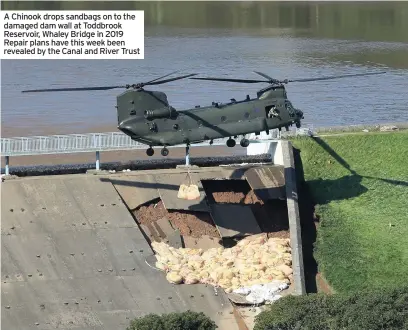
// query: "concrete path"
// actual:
[[73, 257]]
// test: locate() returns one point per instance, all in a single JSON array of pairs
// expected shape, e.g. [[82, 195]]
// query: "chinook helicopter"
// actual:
[[147, 117]]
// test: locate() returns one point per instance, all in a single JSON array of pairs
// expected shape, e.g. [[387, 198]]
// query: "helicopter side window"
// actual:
[[272, 111]]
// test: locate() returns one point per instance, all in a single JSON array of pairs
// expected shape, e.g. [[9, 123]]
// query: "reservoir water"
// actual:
[[226, 39]]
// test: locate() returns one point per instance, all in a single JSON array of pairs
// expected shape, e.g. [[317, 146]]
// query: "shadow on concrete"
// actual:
[[270, 214], [308, 224], [239, 182], [142, 185]]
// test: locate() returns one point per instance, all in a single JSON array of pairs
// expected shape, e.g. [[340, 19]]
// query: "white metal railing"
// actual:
[[75, 143], [93, 142], [72, 143]]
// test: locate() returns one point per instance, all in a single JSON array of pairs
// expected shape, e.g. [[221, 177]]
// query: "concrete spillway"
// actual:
[[73, 257]]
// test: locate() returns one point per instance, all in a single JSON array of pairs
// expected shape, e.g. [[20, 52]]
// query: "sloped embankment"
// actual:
[[359, 184]]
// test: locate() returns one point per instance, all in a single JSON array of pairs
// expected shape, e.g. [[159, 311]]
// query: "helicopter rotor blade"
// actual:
[[170, 79], [99, 88], [271, 80], [278, 82], [103, 88], [264, 75], [166, 75], [331, 77], [157, 81], [247, 81]]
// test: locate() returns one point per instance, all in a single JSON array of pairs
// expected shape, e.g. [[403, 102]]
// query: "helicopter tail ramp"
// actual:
[[73, 257]]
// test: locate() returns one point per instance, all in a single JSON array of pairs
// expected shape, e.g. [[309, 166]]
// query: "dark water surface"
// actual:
[[231, 39]]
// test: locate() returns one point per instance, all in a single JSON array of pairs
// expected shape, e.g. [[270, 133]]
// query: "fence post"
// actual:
[[6, 170], [97, 161], [188, 155]]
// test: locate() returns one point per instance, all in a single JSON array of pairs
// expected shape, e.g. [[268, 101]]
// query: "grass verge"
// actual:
[[359, 184]]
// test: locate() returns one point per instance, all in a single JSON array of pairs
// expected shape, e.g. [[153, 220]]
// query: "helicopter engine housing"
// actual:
[[272, 92], [166, 112], [134, 103]]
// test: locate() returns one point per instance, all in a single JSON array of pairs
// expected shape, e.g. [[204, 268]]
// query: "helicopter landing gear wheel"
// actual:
[[244, 143], [231, 143], [150, 152], [165, 151], [298, 124]]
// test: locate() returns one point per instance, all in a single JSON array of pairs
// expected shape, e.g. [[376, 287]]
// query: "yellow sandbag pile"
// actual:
[[254, 260]]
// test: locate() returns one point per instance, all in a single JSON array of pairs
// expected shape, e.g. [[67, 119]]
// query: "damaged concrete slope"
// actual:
[[232, 220], [73, 257], [235, 201]]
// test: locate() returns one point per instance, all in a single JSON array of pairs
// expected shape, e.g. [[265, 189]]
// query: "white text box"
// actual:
[[76, 34]]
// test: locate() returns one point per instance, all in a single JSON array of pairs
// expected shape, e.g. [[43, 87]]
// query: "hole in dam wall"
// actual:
[[271, 215]]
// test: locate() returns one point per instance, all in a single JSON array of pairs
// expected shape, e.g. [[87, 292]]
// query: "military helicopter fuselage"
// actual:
[[147, 117]]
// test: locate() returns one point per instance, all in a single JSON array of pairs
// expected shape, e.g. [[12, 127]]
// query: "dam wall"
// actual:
[[73, 255]]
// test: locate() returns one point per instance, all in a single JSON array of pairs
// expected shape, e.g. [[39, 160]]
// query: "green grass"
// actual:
[[371, 310], [360, 185]]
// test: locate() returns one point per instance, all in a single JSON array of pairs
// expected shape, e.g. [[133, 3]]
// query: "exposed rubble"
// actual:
[[270, 215], [195, 224]]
